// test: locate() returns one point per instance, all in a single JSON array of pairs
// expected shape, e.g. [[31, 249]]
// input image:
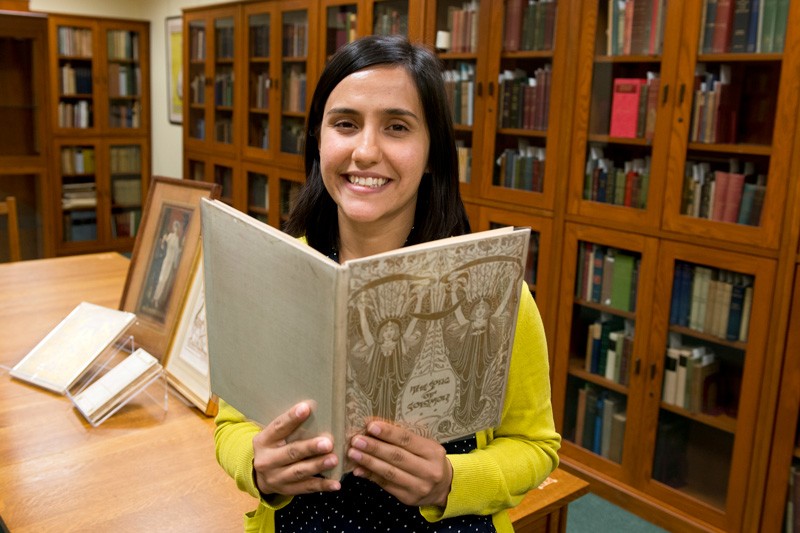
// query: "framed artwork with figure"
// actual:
[[163, 258]]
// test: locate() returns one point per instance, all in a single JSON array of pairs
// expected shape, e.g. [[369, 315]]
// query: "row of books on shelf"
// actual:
[[126, 223], [258, 194], [197, 44], [124, 80], [792, 517], [690, 379], [464, 162], [197, 88], [74, 42], [389, 21], [123, 45], [224, 44], [634, 106], [607, 276], [521, 169], [635, 27], [600, 421], [524, 101], [294, 97], [125, 115], [259, 133], [715, 108], [76, 79], [624, 185], [77, 160], [725, 196], [462, 23], [712, 301], [459, 84], [342, 29], [126, 160], [292, 135], [260, 85], [529, 25], [295, 38], [743, 26], [259, 38], [223, 89], [75, 114], [126, 192], [223, 130], [80, 226], [78, 195], [609, 348]]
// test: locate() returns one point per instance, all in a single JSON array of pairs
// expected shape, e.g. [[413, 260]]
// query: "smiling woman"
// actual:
[[382, 172]]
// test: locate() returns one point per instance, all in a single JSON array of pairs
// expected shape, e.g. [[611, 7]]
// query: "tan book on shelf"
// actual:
[[70, 348], [421, 335]]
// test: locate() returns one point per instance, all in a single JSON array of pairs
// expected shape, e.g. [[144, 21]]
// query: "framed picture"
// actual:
[[186, 361], [174, 32], [163, 255]]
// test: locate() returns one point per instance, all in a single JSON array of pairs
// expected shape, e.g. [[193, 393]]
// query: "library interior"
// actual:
[[651, 146]]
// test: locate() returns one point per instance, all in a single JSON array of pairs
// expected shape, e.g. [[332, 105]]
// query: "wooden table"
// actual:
[[142, 469]]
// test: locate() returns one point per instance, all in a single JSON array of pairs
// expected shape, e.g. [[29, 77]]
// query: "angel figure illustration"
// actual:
[[389, 333], [479, 304]]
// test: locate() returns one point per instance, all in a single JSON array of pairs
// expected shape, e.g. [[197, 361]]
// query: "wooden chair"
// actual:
[[9, 208]]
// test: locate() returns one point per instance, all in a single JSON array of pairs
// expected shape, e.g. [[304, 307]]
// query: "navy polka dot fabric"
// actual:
[[361, 505]]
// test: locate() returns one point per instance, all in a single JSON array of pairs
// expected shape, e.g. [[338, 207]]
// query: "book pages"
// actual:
[[71, 347]]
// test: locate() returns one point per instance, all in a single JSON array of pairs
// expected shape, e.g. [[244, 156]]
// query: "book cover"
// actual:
[[69, 349], [617, 436], [421, 335], [625, 107], [610, 407], [622, 282], [580, 416], [670, 387]]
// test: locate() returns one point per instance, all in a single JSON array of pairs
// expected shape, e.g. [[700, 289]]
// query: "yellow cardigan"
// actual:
[[511, 459]]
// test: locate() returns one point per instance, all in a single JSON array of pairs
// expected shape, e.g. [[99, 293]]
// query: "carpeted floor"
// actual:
[[590, 514]]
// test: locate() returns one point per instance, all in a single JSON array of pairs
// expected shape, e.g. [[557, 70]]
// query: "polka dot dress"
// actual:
[[361, 505]]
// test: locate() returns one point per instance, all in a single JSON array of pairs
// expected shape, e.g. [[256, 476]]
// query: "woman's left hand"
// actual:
[[414, 469]]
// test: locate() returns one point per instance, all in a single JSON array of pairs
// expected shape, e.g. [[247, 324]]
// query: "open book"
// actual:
[[421, 335]]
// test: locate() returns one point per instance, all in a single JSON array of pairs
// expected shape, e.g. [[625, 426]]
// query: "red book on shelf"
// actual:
[[733, 197], [625, 107], [514, 17], [723, 24], [721, 181]]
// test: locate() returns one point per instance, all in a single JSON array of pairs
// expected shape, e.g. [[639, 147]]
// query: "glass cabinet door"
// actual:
[[75, 66], [294, 78], [196, 79], [127, 185], [259, 81], [124, 71], [224, 94]]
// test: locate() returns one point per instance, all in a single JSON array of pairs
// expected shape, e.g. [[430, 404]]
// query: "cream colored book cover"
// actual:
[[72, 346], [421, 335]]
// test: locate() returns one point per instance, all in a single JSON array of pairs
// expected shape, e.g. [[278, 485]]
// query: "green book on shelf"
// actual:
[[621, 284]]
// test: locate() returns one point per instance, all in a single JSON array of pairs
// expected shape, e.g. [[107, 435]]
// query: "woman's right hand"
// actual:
[[291, 468]]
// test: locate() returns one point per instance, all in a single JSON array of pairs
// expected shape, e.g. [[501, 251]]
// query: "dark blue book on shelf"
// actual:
[[598, 259], [752, 27], [735, 313], [597, 437], [674, 303], [589, 417], [685, 295]]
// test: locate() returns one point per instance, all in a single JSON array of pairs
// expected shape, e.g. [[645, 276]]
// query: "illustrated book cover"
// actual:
[[72, 346], [421, 335]]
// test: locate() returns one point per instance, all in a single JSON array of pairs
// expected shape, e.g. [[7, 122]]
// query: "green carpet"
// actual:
[[592, 513]]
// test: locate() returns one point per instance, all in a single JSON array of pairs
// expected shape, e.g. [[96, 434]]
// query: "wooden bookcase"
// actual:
[[638, 175], [24, 150], [653, 221], [99, 85]]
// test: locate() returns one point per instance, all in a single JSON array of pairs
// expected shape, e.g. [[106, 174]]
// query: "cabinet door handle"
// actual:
[[491, 88], [666, 94], [637, 367], [479, 88], [681, 93], [652, 371]]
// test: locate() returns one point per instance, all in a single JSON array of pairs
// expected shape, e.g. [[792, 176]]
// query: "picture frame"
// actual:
[[174, 35], [186, 362], [163, 255]]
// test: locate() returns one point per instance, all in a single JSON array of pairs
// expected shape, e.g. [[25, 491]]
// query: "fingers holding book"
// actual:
[[283, 465]]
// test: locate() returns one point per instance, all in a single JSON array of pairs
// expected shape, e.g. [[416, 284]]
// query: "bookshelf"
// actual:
[[99, 82], [24, 150], [625, 184]]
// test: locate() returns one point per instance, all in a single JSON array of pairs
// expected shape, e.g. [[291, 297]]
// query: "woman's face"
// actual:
[[374, 146]]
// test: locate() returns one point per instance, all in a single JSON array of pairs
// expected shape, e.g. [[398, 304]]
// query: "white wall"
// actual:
[[167, 140]]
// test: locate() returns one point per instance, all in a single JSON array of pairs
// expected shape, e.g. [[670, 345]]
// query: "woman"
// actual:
[[381, 171]]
